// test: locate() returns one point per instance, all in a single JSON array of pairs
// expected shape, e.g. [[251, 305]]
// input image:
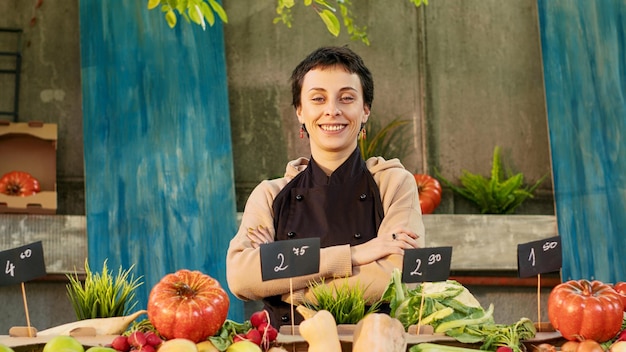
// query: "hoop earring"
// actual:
[[363, 134]]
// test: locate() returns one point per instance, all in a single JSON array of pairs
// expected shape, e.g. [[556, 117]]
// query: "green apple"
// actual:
[[4, 348], [63, 343], [100, 349]]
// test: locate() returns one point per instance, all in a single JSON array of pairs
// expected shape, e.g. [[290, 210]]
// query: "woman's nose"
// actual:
[[332, 109]]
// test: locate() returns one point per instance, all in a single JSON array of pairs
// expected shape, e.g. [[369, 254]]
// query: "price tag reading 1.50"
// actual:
[[290, 258], [426, 264], [538, 257]]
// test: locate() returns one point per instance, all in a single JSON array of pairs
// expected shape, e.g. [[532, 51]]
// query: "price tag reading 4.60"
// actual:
[[426, 264], [538, 257], [290, 258], [22, 264]]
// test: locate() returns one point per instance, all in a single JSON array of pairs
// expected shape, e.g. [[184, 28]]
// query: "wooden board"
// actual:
[[289, 337]]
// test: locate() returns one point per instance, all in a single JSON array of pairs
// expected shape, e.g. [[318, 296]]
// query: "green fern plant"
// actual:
[[501, 194], [389, 141]]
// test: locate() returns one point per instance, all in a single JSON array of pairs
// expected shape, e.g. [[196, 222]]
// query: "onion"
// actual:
[[570, 346], [589, 346]]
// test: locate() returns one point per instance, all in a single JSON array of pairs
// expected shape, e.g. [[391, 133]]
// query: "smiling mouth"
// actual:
[[332, 128]]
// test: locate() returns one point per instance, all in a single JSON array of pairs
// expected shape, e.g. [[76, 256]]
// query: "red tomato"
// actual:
[[429, 190], [585, 310], [188, 304], [620, 287], [19, 183]]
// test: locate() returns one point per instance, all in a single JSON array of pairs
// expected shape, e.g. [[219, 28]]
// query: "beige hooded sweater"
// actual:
[[399, 197]]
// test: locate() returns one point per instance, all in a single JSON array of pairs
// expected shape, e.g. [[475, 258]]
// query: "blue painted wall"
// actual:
[[584, 57], [158, 155]]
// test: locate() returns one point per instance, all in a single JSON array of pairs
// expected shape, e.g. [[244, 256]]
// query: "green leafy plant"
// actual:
[[201, 12], [103, 295], [389, 141], [346, 304], [500, 194]]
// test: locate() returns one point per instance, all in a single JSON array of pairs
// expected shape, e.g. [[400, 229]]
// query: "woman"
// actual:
[[366, 213]]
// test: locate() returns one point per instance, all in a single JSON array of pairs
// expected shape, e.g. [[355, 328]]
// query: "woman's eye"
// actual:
[[347, 99], [317, 99]]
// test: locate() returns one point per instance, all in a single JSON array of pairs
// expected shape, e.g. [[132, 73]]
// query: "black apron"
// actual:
[[343, 208]]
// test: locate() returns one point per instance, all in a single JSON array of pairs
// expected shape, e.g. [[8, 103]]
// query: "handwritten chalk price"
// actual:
[[426, 264], [290, 258], [539, 257], [22, 264]]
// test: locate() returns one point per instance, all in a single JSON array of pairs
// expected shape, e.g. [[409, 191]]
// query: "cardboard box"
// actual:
[[30, 147]]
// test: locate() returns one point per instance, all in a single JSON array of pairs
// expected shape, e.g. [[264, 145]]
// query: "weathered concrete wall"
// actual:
[[260, 57], [485, 88], [50, 89], [466, 73]]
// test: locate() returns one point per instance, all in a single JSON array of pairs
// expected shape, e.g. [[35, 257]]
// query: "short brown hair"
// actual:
[[329, 56]]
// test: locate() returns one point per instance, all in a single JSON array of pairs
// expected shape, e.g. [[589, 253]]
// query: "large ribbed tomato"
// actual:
[[429, 190], [19, 183], [188, 304], [620, 287], [585, 310]]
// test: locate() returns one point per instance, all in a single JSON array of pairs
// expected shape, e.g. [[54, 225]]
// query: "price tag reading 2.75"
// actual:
[[290, 258], [538, 257], [426, 264]]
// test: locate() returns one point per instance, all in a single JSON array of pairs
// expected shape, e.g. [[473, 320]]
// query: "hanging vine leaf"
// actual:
[[170, 17], [196, 16], [190, 10], [219, 10], [331, 21], [207, 13], [153, 3]]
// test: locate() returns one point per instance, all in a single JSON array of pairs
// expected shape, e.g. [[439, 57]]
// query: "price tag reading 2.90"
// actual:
[[426, 264], [539, 257], [290, 258]]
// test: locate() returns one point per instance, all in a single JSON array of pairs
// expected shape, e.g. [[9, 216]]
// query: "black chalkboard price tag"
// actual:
[[290, 258], [426, 264], [538, 257], [22, 264]]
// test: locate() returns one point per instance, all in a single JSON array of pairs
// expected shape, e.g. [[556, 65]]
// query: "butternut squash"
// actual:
[[378, 332], [320, 332]]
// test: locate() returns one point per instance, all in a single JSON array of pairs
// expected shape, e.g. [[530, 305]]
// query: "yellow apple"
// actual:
[[244, 346], [204, 346], [178, 345]]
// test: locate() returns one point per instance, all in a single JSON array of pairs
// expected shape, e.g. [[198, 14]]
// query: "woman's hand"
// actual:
[[260, 235], [384, 245]]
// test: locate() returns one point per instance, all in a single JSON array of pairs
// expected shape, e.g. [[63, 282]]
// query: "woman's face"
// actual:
[[332, 109]]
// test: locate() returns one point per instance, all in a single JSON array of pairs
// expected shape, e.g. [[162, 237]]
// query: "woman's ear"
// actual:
[[299, 114], [366, 113]]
